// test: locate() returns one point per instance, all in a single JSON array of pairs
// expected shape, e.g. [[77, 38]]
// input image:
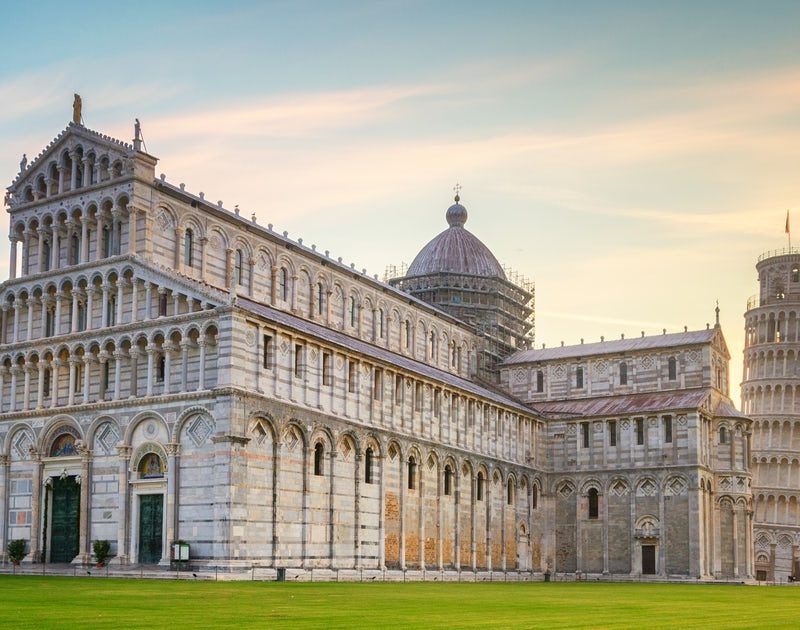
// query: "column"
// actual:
[[30, 302], [84, 537], [134, 299], [173, 450], [26, 252], [87, 372], [118, 355], [73, 361], [124, 454], [274, 285], [40, 249], [132, 230], [84, 237], [251, 264], [55, 368], [60, 168], [3, 372], [116, 231], [15, 333], [4, 322], [26, 395], [203, 241], [473, 543], [86, 172], [12, 263], [12, 402], [36, 503], [74, 322], [184, 365], [167, 348], [57, 322], [104, 309], [5, 462], [201, 343], [120, 300], [73, 176], [55, 249], [99, 254], [89, 306], [151, 353], [102, 357], [457, 519], [178, 246], [39, 389], [134, 353], [148, 300], [228, 267]]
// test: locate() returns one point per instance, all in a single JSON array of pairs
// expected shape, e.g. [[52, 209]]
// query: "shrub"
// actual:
[[16, 550], [101, 550]]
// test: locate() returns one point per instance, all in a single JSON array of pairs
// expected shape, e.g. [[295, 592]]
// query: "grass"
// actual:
[[63, 602]]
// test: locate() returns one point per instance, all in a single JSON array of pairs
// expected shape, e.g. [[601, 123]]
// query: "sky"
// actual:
[[632, 158]]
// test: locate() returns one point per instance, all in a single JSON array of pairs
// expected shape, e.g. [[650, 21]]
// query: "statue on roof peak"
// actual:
[[77, 106]]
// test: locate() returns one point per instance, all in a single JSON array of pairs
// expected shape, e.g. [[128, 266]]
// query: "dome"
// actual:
[[456, 250]]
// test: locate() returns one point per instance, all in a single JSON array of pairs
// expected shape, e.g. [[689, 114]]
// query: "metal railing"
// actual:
[[784, 251]]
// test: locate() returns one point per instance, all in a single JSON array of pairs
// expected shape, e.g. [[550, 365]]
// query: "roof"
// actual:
[[653, 342], [456, 250], [379, 354], [650, 402]]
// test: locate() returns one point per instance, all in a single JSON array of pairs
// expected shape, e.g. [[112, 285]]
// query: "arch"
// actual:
[[141, 417], [58, 425]]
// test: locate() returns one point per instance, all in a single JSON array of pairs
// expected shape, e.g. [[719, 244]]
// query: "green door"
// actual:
[[151, 511], [64, 521]]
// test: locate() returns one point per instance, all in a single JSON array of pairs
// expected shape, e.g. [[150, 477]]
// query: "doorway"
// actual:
[[648, 559], [151, 512], [64, 520]]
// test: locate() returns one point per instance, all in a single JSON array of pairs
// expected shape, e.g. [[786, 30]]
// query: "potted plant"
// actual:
[[16, 551], [101, 550]]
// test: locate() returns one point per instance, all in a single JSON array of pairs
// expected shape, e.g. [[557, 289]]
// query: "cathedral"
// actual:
[[173, 371]]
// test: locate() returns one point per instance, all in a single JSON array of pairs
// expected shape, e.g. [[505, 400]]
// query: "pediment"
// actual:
[[718, 343], [97, 152]]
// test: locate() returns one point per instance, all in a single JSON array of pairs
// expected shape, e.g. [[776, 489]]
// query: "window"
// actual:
[[593, 503], [319, 451], [407, 327], [162, 365], [327, 376], [368, 466], [78, 386], [623, 373], [45, 264], [672, 368], [585, 434], [319, 300], [298, 360], [418, 397], [74, 248], [162, 304], [188, 248], [49, 323], [668, 429], [111, 314], [398, 389], [268, 352], [535, 498], [540, 381], [351, 376], [510, 492], [239, 267], [479, 487], [283, 284], [579, 377], [437, 402], [106, 241], [353, 312], [377, 384], [412, 473], [448, 480], [639, 431], [381, 323], [795, 274], [46, 388], [612, 432], [106, 375], [723, 435]]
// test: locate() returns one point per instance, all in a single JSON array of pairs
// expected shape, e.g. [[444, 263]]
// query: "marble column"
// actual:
[[173, 452], [84, 239], [40, 386], [55, 368], [36, 505], [201, 343], [151, 355], [88, 359], [12, 263], [118, 356], [132, 230], [124, 454], [84, 535], [5, 463]]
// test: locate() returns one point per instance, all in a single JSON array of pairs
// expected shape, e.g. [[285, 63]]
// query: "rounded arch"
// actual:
[[141, 417], [188, 414], [58, 425]]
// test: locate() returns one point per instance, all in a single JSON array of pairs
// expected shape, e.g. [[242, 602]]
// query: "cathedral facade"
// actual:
[[170, 370]]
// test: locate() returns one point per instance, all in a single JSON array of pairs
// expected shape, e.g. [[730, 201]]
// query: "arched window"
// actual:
[[151, 467], [479, 487], [623, 373], [412, 473], [353, 312], [239, 267], [106, 241], [448, 480], [74, 248], [433, 346], [672, 368], [795, 274], [723, 435], [540, 381], [45, 262], [319, 451], [579, 377], [593, 503], [162, 368], [381, 323], [81, 316], [188, 248], [111, 314], [510, 492], [162, 303], [408, 334], [320, 298], [283, 284], [535, 497], [46, 384], [368, 466], [63, 446]]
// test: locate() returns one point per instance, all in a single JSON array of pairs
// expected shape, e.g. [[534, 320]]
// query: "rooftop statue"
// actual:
[[77, 106]]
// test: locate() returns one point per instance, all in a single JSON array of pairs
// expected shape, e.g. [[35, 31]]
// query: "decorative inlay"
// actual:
[[200, 429], [22, 445], [647, 363], [106, 439], [619, 488], [647, 488]]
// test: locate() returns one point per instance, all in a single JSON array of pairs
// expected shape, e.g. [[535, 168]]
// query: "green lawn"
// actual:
[[62, 602]]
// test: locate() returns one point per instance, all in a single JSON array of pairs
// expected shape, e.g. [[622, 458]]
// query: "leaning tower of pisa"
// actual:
[[771, 397]]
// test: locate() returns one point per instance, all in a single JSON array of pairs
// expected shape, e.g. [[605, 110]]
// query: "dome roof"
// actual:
[[456, 250]]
